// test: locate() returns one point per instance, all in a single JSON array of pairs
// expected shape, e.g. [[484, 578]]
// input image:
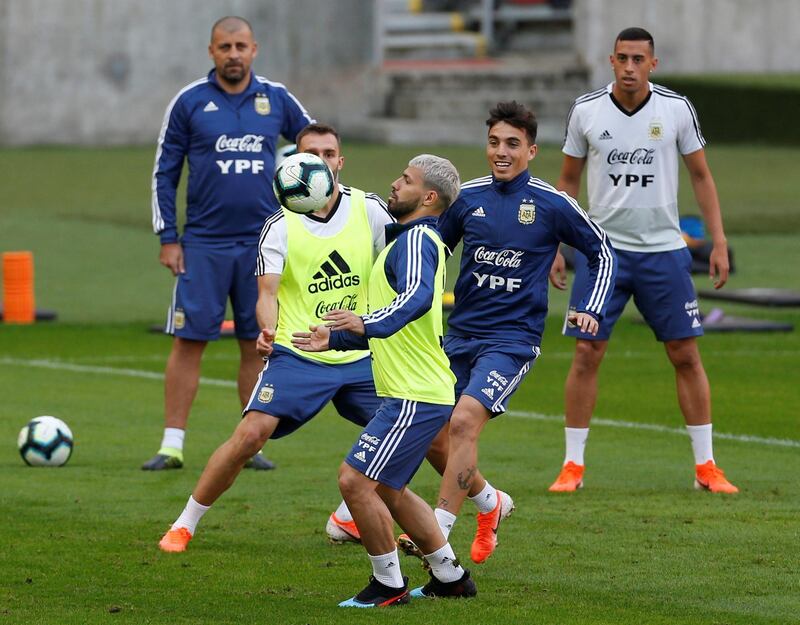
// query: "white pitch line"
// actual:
[[129, 373], [652, 427], [152, 375]]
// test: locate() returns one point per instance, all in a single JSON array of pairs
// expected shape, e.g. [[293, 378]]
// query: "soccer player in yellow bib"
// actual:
[[309, 264], [403, 330]]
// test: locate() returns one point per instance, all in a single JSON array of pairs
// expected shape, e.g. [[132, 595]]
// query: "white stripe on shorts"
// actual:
[[392, 440], [498, 405]]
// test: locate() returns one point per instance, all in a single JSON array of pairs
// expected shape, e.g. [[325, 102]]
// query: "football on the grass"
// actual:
[[45, 442]]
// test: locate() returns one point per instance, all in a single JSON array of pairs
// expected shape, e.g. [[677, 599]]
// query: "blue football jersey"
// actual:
[[511, 232], [229, 141]]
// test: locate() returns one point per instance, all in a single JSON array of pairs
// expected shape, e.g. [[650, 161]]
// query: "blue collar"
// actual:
[[394, 230], [512, 186]]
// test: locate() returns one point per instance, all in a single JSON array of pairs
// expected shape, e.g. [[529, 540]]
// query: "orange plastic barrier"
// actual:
[[18, 301]]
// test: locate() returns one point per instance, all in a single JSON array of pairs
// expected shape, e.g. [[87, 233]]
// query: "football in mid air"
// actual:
[[303, 183], [45, 442]]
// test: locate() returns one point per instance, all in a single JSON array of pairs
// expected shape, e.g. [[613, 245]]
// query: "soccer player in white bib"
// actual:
[[630, 133]]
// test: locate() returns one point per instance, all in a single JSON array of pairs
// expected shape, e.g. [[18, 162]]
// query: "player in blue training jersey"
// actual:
[[225, 126], [403, 330], [510, 224], [630, 133]]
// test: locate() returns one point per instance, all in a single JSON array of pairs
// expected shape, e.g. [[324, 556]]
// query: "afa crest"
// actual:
[[262, 105], [527, 212], [265, 394], [656, 132], [179, 319]]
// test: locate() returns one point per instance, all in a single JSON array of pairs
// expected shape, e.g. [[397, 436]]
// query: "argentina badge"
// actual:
[[265, 394], [527, 212], [262, 104]]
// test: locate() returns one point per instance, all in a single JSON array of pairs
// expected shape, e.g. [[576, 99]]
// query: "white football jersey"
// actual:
[[632, 159], [273, 243]]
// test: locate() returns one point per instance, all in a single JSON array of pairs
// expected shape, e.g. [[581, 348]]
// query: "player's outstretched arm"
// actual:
[[705, 191], [267, 311], [314, 341], [345, 320]]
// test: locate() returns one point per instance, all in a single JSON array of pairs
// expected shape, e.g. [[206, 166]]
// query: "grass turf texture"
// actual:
[[637, 545]]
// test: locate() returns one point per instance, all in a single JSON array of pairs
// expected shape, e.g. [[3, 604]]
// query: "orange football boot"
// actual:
[[175, 540], [342, 531], [486, 535], [570, 478], [709, 476]]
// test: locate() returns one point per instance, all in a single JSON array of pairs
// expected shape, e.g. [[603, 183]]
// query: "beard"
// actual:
[[233, 73], [399, 209]]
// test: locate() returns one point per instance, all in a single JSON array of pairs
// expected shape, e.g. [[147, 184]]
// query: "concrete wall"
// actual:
[[694, 36], [102, 71]]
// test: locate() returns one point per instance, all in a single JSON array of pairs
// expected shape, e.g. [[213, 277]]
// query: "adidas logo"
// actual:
[[333, 273], [696, 323], [361, 456], [489, 392], [210, 107], [605, 135], [479, 212]]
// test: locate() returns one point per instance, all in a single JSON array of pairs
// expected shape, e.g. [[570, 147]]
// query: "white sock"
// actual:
[[446, 520], [191, 516], [444, 565], [486, 500], [173, 438], [386, 569], [576, 443], [343, 513], [701, 443]]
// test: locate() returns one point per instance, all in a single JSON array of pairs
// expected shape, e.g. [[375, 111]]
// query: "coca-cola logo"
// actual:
[[498, 258], [348, 302], [639, 156], [246, 143]]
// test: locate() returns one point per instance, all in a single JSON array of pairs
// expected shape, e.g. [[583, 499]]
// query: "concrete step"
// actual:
[[424, 23], [433, 45]]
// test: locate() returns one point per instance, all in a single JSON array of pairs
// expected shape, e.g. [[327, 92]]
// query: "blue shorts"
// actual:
[[294, 389], [393, 444], [487, 370], [201, 294], [662, 289]]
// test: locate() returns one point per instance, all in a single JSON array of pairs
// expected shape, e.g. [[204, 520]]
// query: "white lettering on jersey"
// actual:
[[502, 258], [241, 165], [247, 143], [497, 282]]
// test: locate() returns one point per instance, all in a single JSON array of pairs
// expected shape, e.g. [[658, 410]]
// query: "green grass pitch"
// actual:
[[638, 545]]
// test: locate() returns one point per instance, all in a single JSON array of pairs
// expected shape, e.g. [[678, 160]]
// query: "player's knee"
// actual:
[[588, 356], [437, 452], [349, 482], [249, 438], [463, 429], [684, 355]]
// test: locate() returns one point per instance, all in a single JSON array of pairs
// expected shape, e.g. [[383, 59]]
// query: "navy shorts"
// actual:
[[213, 274], [662, 289], [488, 371], [294, 389], [393, 444]]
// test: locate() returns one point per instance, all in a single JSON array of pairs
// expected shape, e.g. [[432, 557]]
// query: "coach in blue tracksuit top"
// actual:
[[511, 225], [226, 126]]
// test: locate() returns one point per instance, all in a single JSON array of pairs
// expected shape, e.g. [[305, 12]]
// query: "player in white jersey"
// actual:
[[631, 133]]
